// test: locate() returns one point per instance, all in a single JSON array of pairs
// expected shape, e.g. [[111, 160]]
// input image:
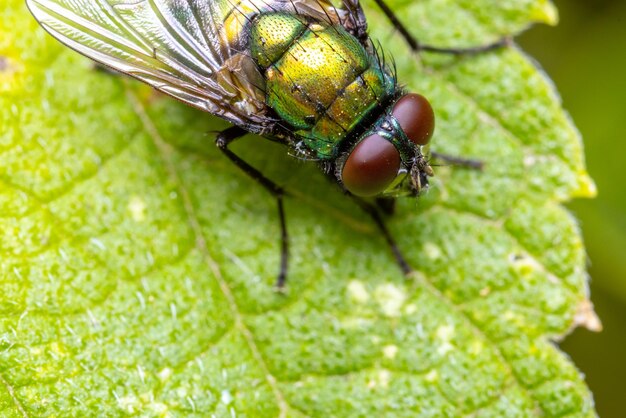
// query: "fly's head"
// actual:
[[388, 159]]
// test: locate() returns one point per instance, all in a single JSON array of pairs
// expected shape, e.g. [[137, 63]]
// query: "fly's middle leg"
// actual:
[[222, 141], [417, 46]]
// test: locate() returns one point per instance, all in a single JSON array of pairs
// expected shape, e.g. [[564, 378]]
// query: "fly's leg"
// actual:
[[387, 205], [458, 161], [373, 212], [417, 46], [222, 141]]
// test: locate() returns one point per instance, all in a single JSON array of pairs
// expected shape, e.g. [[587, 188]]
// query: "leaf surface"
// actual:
[[137, 263]]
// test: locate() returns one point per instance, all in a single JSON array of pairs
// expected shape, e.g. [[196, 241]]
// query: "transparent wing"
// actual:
[[353, 20], [178, 46]]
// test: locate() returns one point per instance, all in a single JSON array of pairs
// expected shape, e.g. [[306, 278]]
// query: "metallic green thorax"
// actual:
[[319, 79]]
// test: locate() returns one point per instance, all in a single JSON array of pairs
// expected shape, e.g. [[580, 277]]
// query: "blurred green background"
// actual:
[[585, 55]]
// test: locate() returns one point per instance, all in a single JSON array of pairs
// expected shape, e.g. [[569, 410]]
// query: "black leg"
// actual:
[[223, 139], [373, 212], [458, 161], [387, 205], [284, 249], [418, 47]]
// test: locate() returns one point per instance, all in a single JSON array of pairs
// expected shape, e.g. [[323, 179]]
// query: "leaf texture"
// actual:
[[136, 262]]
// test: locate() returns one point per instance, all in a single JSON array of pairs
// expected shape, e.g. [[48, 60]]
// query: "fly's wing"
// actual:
[[353, 20], [193, 50], [176, 46]]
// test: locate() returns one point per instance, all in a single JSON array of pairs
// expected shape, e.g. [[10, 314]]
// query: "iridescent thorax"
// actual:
[[319, 78]]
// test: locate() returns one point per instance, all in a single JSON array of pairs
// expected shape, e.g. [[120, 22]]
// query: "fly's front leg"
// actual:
[[223, 139], [417, 46], [374, 213], [458, 161]]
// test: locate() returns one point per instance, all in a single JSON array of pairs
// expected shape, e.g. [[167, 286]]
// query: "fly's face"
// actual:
[[388, 159]]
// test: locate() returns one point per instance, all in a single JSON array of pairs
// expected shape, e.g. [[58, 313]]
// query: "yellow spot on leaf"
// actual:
[[129, 404], [432, 251], [390, 298], [137, 208], [410, 309], [390, 351], [357, 291], [432, 376], [444, 334], [384, 377], [476, 347], [165, 374], [226, 397]]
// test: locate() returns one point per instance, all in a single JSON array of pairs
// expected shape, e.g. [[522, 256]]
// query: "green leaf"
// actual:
[[137, 263]]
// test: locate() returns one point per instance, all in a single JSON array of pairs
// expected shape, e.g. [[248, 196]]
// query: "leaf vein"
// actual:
[[165, 151], [16, 401]]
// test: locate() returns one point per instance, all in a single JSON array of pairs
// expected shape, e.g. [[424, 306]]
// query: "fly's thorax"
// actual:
[[237, 15], [388, 159], [271, 35], [350, 108], [319, 78]]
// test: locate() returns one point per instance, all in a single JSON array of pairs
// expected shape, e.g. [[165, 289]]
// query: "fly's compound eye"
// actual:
[[371, 166], [416, 118]]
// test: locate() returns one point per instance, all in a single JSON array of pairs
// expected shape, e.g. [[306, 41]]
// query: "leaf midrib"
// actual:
[[239, 324]]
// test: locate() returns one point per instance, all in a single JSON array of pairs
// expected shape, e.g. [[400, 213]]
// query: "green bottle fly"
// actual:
[[303, 73]]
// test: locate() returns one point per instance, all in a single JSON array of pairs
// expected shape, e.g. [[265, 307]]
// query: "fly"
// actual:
[[300, 72]]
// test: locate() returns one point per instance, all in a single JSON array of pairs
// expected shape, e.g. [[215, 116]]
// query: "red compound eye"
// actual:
[[416, 118], [371, 166]]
